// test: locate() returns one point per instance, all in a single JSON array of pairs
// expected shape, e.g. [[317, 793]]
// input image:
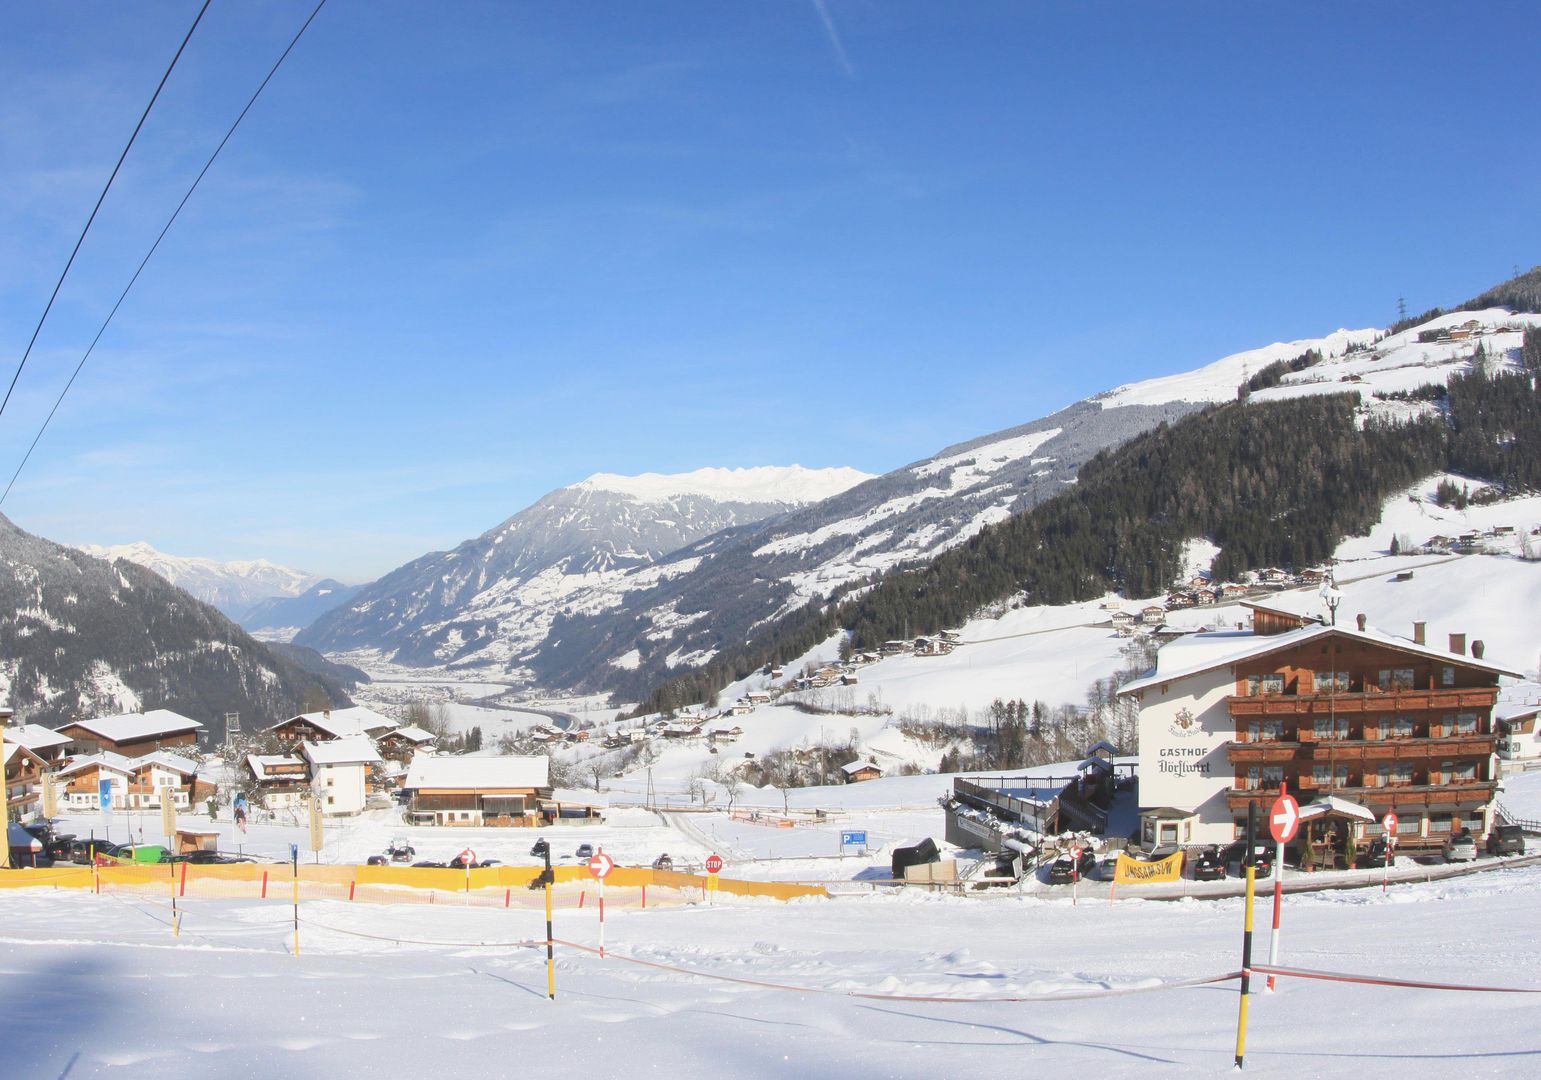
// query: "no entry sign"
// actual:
[[1284, 819], [713, 864]]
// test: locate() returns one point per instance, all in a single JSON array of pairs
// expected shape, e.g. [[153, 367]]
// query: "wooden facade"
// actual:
[[1387, 728]]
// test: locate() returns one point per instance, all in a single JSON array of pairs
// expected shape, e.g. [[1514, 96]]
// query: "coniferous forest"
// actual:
[[1280, 483]]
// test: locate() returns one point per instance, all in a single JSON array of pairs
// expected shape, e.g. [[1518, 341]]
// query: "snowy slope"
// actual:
[[578, 550], [233, 587]]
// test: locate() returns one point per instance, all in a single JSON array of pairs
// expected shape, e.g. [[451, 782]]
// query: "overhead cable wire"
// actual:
[[153, 247], [99, 200]]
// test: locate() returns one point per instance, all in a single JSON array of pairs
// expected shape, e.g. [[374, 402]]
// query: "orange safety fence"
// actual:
[[493, 886]]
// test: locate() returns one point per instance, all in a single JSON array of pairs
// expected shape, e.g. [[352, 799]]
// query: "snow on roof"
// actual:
[[35, 736], [1513, 710], [353, 750], [1336, 804], [129, 727], [261, 763], [340, 723], [1197, 653], [857, 766], [106, 759], [479, 772], [14, 748], [576, 797], [413, 733], [174, 762]]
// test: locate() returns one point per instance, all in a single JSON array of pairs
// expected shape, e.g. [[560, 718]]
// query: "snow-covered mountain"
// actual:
[[81, 637], [233, 587], [279, 618], [493, 599]]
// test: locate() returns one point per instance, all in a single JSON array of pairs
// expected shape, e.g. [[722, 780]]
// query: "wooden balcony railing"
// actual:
[[1371, 701]]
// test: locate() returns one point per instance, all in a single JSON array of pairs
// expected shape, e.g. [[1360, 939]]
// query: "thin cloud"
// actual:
[[835, 43]]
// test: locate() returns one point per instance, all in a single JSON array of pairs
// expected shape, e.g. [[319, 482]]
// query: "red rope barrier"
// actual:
[[1375, 980]]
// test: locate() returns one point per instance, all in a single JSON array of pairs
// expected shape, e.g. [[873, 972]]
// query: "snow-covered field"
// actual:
[[99, 986]]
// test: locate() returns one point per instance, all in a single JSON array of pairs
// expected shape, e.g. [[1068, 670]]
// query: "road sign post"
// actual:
[[1283, 824], [600, 866]]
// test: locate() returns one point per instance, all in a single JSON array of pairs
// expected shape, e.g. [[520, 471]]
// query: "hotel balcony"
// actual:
[[1310, 749], [1465, 793], [1373, 701]]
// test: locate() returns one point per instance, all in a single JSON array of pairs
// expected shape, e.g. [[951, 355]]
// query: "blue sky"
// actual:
[[463, 253]]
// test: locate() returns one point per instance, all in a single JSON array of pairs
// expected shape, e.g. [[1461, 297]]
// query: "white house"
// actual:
[[1518, 739], [511, 790], [339, 772]]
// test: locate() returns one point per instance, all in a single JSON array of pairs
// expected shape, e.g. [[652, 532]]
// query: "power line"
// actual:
[[99, 200], [145, 261]]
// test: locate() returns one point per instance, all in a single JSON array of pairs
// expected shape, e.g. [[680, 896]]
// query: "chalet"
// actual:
[[478, 790], [1272, 575], [1233, 590], [1121, 618], [1207, 597], [1272, 620], [83, 777], [25, 774], [743, 708], [725, 734], [280, 781], [894, 648], [681, 731], [1153, 615], [1179, 600], [757, 697], [1518, 738], [329, 724], [858, 771], [401, 744], [44, 742], [131, 734], [1312, 576], [1381, 722], [777, 672], [850, 679], [340, 772]]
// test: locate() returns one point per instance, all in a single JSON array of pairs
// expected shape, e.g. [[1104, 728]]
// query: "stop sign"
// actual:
[[713, 864], [1284, 819], [601, 865]]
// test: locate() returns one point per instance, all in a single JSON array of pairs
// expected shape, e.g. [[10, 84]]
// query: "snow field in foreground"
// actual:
[[98, 986]]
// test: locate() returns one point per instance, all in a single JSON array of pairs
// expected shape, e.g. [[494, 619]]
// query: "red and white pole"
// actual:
[[601, 918], [1278, 901]]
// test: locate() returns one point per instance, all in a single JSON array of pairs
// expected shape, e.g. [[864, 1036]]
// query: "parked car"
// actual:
[[85, 851], [378, 860], [215, 858], [585, 851], [1374, 855], [1064, 869], [429, 862], [1236, 859], [663, 862], [1209, 866], [1506, 840], [400, 851], [1462, 847]]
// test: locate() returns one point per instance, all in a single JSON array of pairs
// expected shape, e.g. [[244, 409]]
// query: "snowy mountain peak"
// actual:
[[233, 587], [790, 485]]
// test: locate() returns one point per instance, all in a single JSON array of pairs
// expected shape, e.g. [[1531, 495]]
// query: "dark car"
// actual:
[[585, 851], [400, 851], [377, 860], [429, 863], [1209, 866], [1236, 860], [85, 851], [1065, 869], [1506, 840], [215, 858], [1374, 856], [663, 862]]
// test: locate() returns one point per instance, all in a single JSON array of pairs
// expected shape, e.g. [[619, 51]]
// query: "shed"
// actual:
[[196, 840]]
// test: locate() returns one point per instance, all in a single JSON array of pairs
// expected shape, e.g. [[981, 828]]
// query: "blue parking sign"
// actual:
[[853, 837]]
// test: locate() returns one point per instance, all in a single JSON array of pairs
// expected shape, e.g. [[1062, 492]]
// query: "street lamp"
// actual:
[[1331, 597]]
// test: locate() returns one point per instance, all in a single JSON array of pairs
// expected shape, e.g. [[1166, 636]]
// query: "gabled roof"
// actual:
[[354, 750], [476, 773], [1198, 653], [106, 759], [14, 748], [411, 733], [261, 763], [857, 766], [35, 736], [340, 723], [132, 727], [174, 762]]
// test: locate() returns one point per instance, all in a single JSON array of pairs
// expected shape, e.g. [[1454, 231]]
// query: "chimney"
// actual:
[[1360, 619], [1418, 634], [1458, 644], [1477, 649]]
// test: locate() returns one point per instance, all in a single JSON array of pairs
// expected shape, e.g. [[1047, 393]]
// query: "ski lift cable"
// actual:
[[99, 200], [153, 247]]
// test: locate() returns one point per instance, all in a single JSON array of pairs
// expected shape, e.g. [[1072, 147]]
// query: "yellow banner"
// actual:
[[1134, 872], [317, 837], [168, 817]]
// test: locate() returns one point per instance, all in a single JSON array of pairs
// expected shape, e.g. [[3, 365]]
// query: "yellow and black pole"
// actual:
[[547, 878], [294, 866], [1246, 937]]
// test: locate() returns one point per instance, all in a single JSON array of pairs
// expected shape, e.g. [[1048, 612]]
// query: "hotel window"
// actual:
[[1462, 724], [1264, 776], [1458, 772], [1265, 684], [1438, 823], [1395, 678], [1265, 731], [1331, 680], [1447, 676], [1329, 727], [1324, 774], [1399, 728]]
